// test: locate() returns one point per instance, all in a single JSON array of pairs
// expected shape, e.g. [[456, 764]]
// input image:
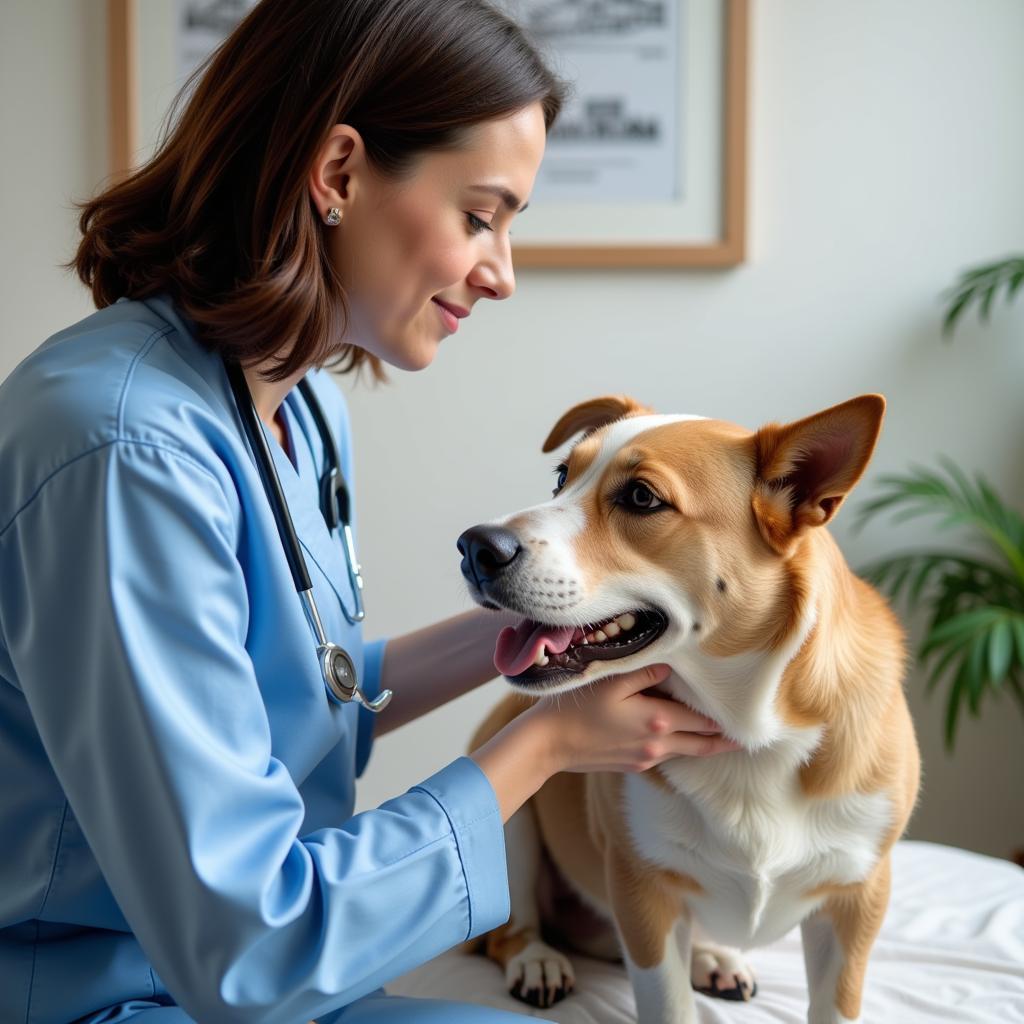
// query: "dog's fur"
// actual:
[[770, 634]]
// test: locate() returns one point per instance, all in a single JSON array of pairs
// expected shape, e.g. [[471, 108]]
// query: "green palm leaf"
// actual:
[[981, 642], [1000, 650], [975, 633], [957, 501], [981, 284]]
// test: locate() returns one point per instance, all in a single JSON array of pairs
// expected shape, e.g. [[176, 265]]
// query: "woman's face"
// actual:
[[440, 236]]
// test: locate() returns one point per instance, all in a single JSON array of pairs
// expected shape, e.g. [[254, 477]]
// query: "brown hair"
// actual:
[[221, 219]]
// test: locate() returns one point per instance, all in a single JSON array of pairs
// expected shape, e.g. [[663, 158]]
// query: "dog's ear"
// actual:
[[589, 415], [805, 469]]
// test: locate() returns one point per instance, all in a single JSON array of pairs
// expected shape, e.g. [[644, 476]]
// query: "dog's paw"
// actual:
[[721, 972], [539, 975]]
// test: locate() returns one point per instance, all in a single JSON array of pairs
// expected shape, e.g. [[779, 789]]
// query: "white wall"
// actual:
[[886, 155], [53, 137]]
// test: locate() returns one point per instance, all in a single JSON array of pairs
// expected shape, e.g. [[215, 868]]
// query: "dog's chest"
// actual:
[[741, 827]]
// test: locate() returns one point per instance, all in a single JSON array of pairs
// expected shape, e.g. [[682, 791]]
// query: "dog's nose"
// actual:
[[486, 552]]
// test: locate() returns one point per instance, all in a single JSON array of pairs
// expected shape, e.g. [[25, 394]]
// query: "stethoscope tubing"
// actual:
[[268, 475], [336, 665]]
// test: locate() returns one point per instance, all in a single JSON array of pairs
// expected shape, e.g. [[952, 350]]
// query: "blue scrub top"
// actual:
[[176, 790]]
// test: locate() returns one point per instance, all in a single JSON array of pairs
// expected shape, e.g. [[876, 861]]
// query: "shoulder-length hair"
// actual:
[[221, 218]]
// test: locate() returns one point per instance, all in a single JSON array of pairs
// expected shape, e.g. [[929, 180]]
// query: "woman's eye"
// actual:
[[563, 473], [640, 496], [476, 224]]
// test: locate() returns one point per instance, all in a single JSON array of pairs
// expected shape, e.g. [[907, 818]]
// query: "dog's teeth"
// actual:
[[612, 629], [589, 638], [600, 636], [627, 621]]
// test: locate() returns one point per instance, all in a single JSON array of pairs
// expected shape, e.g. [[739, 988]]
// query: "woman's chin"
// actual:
[[416, 356], [405, 353]]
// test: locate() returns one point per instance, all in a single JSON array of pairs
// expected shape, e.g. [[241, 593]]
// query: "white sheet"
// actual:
[[951, 949]]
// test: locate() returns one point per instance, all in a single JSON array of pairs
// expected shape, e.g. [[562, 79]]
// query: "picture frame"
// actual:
[[703, 226]]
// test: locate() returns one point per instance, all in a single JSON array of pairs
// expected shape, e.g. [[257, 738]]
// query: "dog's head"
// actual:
[[664, 534]]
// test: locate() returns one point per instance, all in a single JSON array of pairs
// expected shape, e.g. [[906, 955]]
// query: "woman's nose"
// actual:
[[496, 277]]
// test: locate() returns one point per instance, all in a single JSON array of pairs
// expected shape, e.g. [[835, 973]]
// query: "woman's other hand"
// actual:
[[615, 726], [610, 726]]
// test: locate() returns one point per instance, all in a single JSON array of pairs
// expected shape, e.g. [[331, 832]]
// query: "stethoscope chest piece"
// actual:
[[340, 678], [339, 672]]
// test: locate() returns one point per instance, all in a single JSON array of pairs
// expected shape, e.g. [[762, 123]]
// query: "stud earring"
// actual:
[[333, 216]]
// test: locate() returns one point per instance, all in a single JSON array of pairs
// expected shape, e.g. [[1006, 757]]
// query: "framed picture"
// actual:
[[646, 166]]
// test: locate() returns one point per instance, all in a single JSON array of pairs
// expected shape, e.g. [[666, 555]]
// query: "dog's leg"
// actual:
[[837, 940], [663, 991], [721, 971], [534, 972], [654, 928]]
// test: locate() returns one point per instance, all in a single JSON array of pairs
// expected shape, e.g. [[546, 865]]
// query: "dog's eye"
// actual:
[[638, 496], [563, 471]]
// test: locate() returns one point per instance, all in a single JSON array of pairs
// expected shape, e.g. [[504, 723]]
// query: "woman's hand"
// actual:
[[613, 726]]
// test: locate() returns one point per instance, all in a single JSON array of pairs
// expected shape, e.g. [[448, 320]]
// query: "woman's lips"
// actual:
[[450, 316]]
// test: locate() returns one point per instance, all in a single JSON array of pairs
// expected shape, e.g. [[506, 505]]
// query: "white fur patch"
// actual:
[[739, 691], [743, 830]]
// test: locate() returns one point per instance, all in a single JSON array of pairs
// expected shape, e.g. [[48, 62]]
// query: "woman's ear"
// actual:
[[806, 469], [590, 415], [337, 168]]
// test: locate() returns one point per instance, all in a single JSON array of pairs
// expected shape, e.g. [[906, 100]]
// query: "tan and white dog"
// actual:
[[696, 543]]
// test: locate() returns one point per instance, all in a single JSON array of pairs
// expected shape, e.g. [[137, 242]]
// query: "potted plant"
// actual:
[[975, 633]]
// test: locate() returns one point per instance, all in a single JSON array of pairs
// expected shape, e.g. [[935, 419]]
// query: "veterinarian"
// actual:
[[182, 718]]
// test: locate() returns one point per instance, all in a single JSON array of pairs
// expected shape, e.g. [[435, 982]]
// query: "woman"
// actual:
[[178, 790]]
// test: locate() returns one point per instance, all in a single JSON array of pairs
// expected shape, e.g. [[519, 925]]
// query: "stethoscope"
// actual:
[[338, 670]]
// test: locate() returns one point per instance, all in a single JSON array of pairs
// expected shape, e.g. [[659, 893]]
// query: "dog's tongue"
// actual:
[[518, 646]]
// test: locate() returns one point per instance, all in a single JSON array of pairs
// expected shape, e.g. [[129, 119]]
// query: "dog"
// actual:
[[700, 544]]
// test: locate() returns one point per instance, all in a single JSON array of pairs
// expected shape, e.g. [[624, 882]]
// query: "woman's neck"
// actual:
[[267, 395]]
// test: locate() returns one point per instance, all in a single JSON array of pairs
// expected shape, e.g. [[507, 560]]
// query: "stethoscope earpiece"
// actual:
[[337, 668]]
